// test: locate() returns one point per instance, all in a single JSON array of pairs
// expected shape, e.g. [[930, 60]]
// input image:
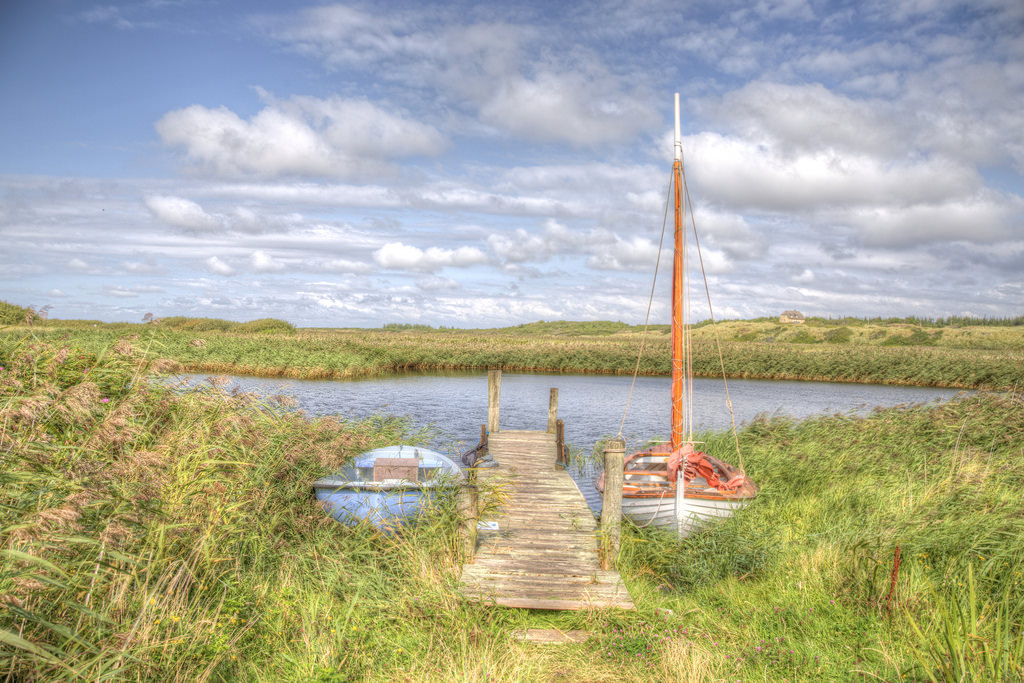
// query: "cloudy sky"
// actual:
[[488, 164]]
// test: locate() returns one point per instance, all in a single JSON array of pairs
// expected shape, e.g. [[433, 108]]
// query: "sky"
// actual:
[[482, 165]]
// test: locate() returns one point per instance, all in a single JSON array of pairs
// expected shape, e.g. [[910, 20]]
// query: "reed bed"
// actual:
[[153, 534], [342, 353]]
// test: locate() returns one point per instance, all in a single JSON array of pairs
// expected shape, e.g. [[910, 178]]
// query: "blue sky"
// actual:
[[480, 165]]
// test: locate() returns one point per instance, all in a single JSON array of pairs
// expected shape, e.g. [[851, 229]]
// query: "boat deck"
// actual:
[[544, 553]]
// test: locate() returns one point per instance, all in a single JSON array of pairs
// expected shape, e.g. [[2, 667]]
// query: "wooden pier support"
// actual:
[[469, 515], [611, 504], [493, 399], [561, 452], [552, 410]]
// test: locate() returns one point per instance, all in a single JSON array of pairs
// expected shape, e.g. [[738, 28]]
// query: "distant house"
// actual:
[[792, 317]]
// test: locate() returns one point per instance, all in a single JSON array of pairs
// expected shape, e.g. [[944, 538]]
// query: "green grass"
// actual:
[[149, 534], [980, 357]]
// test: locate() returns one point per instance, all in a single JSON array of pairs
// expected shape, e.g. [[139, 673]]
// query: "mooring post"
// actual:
[[483, 446], [560, 456], [611, 504], [552, 410], [469, 514], [493, 399]]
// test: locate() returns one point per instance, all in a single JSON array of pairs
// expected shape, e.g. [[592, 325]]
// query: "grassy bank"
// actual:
[[969, 357], [151, 535]]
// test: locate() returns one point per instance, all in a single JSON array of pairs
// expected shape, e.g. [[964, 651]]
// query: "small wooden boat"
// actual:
[[386, 486], [712, 489]]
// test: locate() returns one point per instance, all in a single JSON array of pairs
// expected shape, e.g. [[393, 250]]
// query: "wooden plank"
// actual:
[[551, 636], [544, 554]]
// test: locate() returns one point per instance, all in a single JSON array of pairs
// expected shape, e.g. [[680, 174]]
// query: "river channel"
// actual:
[[454, 404]]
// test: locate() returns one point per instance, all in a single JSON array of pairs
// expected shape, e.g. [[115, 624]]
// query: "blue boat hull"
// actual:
[[352, 495], [380, 508]]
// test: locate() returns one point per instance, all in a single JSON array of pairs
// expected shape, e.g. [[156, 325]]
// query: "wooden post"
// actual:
[[469, 514], [493, 399], [611, 504], [483, 443], [552, 410], [560, 455]]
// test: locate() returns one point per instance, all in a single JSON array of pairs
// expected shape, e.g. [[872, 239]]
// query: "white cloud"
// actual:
[[181, 212], [810, 117], [434, 283], [219, 267], [263, 262], [636, 253], [341, 266], [302, 136], [105, 14], [565, 98], [744, 173], [979, 220], [519, 246], [399, 256], [565, 107], [77, 264]]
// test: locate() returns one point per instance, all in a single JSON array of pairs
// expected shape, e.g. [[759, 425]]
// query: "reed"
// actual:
[[150, 533], [987, 360]]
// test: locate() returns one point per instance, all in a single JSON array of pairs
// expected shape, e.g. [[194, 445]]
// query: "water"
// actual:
[[592, 406]]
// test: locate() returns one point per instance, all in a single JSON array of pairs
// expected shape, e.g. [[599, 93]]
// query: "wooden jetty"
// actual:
[[543, 553]]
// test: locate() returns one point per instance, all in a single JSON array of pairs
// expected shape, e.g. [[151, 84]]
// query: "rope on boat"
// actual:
[[689, 345], [650, 302], [714, 326]]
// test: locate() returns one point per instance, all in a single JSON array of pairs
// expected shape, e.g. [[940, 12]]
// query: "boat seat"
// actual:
[[396, 468]]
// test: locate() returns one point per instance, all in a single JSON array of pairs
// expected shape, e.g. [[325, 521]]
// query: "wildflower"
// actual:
[[104, 400]]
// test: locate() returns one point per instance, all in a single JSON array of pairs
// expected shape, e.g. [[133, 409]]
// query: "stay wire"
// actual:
[[714, 326], [650, 303]]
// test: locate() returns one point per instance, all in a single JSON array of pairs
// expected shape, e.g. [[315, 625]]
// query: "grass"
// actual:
[[150, 534], [978, 357]]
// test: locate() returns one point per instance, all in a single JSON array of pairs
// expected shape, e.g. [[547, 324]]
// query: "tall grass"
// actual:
[[152, 534], [762, 352]]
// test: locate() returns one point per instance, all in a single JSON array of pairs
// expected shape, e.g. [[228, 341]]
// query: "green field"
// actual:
[[152, 535], [967, 354]]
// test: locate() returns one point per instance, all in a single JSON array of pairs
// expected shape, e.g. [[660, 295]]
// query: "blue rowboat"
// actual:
[[387, 485]]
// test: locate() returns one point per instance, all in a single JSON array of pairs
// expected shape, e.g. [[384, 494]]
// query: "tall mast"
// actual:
[[678, 293]]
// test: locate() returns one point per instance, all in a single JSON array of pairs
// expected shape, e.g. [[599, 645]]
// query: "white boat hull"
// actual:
[[661, 512]]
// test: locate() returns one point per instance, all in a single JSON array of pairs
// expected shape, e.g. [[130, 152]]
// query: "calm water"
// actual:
[[455, 404], [591, 406]]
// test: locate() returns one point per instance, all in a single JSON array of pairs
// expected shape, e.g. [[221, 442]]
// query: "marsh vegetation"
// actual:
[[978, 356], [152, 534]]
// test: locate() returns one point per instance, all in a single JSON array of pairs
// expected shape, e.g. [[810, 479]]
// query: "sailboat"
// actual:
[[712, 488]]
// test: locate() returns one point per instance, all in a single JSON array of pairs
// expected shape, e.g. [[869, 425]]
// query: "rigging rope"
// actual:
[[650, 302], [688, 333], [714, 326]]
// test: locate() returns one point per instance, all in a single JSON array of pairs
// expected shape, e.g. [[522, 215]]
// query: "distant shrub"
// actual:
[[11, 314], [803, 337], [406, 326], [265, 326], [207, 325], [916, 338], [840, 335]]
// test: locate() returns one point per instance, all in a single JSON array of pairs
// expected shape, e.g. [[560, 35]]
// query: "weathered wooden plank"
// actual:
[[551, 636], [544, 554], [533, 603]]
